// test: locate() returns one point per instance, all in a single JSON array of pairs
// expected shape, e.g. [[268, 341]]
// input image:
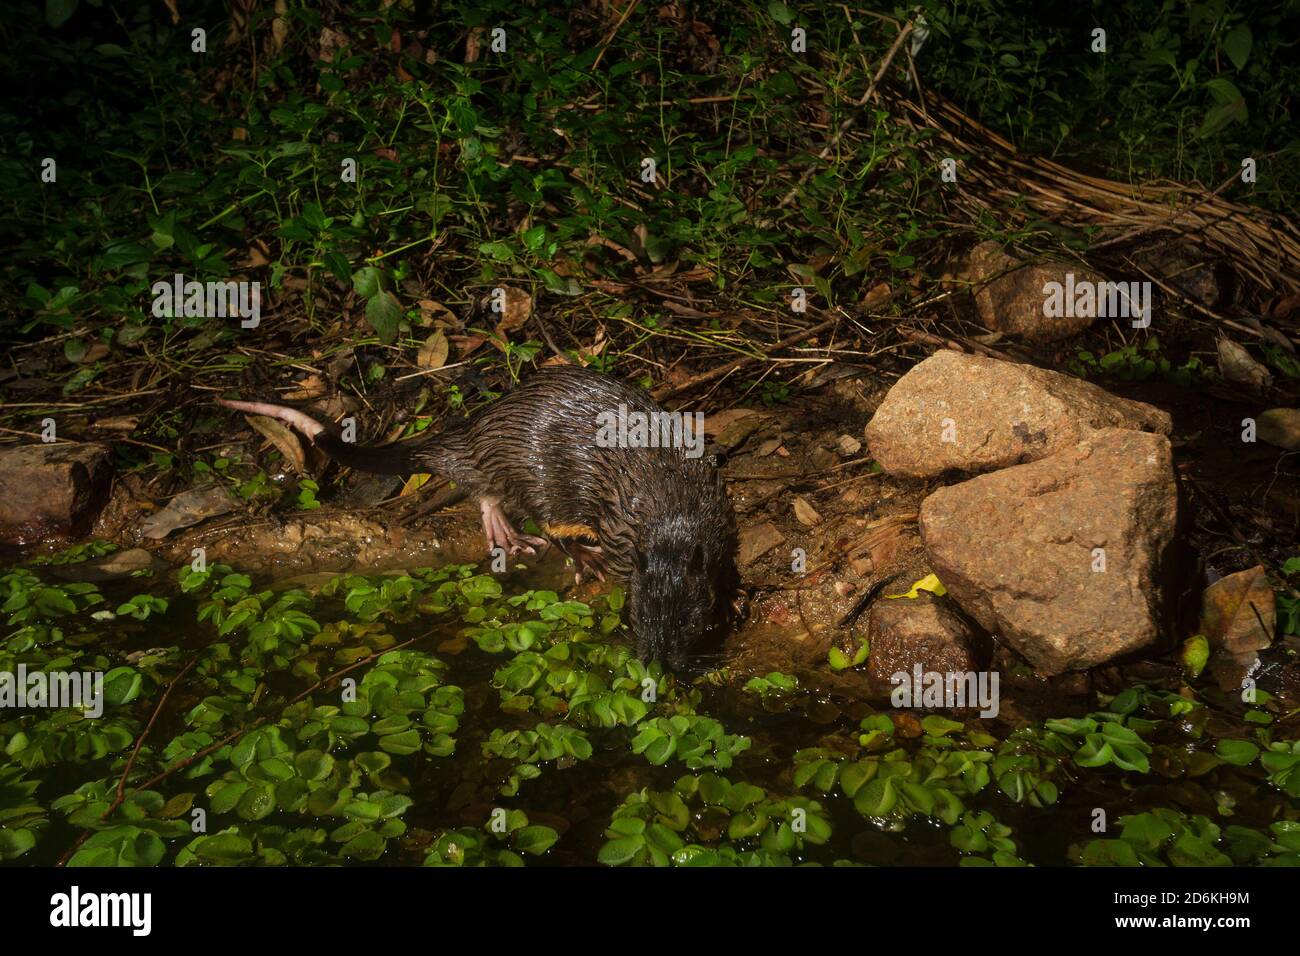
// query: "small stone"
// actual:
[[52, 490], [757, 540]]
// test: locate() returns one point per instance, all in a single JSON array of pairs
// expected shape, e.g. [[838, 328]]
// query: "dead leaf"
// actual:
[[715, 424], [1280, 427], [466, 344], [119, 423], [757, 540], [1239, 367], [472, 44], [515, 311], [331, 41], [434, 351], [282, 437], [434, 313], [805, 512], [734, 435], [186, 509], [279, 27], [313, 386], [257, 254], [1238, 613]]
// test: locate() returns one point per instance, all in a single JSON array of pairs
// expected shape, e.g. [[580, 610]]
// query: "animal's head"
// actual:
[[672, 598]]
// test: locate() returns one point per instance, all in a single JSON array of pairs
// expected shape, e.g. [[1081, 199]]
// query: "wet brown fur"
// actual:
[[662, 521]]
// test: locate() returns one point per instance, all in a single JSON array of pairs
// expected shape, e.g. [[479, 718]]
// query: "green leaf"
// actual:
[[384, 315], [620, 851], [1237, 752], [779, 12], [57, 12], [337, 263], [535, 839], [367, 281], [1195, 655], [1237, 45]]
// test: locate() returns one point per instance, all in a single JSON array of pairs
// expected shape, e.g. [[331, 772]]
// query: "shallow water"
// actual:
[[577, 796]]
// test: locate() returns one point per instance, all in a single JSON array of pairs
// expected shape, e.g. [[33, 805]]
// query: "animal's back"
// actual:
[[537, 450]]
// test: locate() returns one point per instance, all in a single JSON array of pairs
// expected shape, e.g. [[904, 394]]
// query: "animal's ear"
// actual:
[[697, 559]]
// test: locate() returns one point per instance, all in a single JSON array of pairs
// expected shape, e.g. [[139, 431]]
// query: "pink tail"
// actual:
[[303, 422]]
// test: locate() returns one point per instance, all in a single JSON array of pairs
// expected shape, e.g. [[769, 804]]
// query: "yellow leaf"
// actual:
[[412, 485], [928, 583]]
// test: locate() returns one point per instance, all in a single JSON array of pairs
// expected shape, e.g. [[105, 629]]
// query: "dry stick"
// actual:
[[121, 783], [662, 394], [126, 772], [851, 120], [614, 32]]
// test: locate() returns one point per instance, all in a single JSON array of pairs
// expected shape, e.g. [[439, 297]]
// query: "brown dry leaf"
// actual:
[[805, 512], [119, 423], [1239, 367], [883, 544], [434, 351], [465, 344], [473, 44], [879, 295], [735, 434], [331, 41], [1280, 427], [313, 386], [94, 352], [279, 27], [1238, 613], [434, 313], [257, 255], [386, 152], [518, 308], [187, 508], [718, 422], [282, 437], [596, 348]]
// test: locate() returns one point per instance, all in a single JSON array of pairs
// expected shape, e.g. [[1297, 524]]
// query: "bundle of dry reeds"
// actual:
[[1262, 247]]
